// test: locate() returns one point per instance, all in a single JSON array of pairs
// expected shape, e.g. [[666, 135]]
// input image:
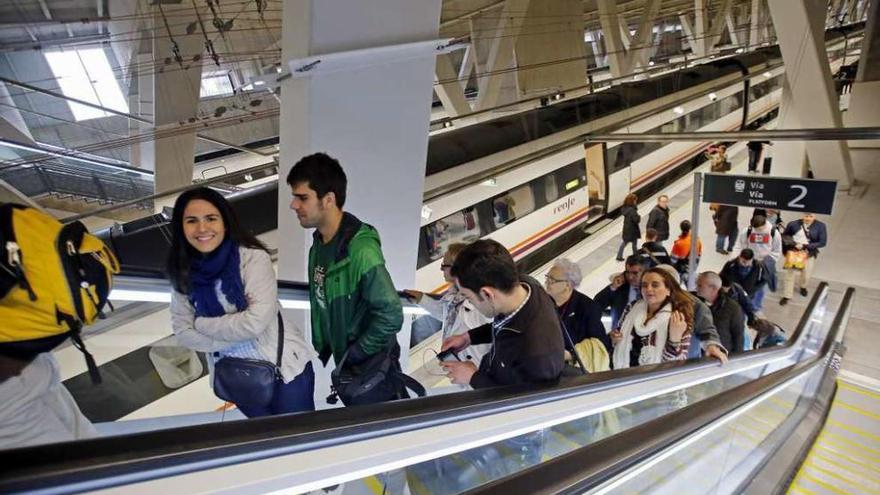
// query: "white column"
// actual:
[[374, 119], [701, 28], [448, 88], [614, 49], [864, 101], [539, 50], [753, 23], [174, 87], [512, 18], [800, 28]]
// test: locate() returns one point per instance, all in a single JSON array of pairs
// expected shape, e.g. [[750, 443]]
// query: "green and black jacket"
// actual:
[[363, 307]]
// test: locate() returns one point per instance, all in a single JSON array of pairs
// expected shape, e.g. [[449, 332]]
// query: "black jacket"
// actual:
[[658, 220], [653, 254], [729, 322], [631, 219], [756, 278], [615, 300], [725, 220], [582, 318], [527, 349]]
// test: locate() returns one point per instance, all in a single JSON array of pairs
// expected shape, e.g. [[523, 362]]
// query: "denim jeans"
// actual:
[[296, 396], [719, 241], [623, 245], [758, 298]]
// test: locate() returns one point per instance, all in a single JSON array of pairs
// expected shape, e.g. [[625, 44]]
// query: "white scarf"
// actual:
[[635, 326]]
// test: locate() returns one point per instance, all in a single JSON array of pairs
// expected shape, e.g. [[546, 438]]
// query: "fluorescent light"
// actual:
[[713, 96], [490, 182], [651, 63], [768, 75], [85, 74], [678, 110], [740, 50], [217, 84], [164, 296]]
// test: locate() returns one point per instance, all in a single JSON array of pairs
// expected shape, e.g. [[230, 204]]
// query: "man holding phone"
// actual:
[[525, 335]]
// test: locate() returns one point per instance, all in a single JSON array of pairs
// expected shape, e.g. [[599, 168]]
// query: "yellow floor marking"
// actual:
[[857, 410], [858, 390], [823, 484], [849, 459], [853, 429], [799, 489], [848, 445], [811, 465], [858, 472]]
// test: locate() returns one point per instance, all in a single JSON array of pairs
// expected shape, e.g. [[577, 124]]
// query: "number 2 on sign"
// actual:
[[803, 192]]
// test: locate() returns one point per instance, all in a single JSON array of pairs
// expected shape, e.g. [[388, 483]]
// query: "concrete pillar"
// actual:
[[701, 28], [800, 27], [864, 101], [608, 18], [754, 20], [12, 125], [688, 32], [644, 46], [501, 56], [373, 118], [448, 88], [543, 48], [173, 80]]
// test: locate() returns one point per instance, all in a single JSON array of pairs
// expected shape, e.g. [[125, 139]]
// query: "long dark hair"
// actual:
[[680, 299], [181, 254]]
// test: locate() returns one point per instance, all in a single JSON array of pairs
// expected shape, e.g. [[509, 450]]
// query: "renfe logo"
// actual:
[[564, 207]]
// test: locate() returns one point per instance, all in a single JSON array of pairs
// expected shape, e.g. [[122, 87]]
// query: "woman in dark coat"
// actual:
[[631, 230], [725, 227]]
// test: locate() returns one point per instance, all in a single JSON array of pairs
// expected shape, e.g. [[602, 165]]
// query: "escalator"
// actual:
[[681, 427]]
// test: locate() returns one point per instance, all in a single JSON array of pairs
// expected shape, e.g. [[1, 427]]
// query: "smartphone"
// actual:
[[448, 355]]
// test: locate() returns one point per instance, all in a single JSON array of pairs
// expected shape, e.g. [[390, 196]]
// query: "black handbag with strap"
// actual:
[[378, 379], [249, 382]]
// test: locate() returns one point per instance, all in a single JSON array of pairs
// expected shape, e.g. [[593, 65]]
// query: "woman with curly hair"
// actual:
[[656, 328]]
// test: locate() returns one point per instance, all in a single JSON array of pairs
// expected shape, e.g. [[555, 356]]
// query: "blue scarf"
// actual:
[[224, 264]]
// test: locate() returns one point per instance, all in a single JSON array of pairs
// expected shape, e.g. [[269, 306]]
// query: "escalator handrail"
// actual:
[[122, 459], [599, 462]]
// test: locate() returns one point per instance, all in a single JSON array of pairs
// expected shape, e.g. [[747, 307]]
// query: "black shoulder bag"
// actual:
[[249, 382], [378, 379]]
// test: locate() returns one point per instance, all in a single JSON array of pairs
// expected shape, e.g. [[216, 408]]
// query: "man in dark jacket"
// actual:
[[748, 273], [807, 234], [652, 252], [738, 294], [579, 314], [623, 289], [526, 337], [354, 306], [658, 219], [726, 227], [726, 313]]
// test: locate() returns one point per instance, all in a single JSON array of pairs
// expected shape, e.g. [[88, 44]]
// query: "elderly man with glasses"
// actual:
[[580, 316]]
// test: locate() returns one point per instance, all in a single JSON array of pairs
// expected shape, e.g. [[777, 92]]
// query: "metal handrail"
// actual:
[[104, 462]]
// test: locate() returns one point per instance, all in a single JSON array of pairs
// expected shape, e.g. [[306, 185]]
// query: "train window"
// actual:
[[436, 237], [513, 204]]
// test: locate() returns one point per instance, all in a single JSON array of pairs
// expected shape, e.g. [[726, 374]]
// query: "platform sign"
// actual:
[[779, 193]]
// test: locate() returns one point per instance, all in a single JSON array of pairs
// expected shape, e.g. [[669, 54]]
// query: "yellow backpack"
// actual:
[[54, 279]]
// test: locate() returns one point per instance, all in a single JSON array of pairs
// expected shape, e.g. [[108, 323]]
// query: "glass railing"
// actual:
[[433, 445], [748, 439]]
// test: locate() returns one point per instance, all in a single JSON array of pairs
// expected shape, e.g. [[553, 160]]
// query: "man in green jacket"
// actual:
[[354, 306]]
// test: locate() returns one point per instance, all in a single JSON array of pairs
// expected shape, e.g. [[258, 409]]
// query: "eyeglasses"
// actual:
[[552, 280]]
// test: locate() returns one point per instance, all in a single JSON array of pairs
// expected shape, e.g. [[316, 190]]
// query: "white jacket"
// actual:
[[763, 241], [468, 318], [259, 321], [36, 408]]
